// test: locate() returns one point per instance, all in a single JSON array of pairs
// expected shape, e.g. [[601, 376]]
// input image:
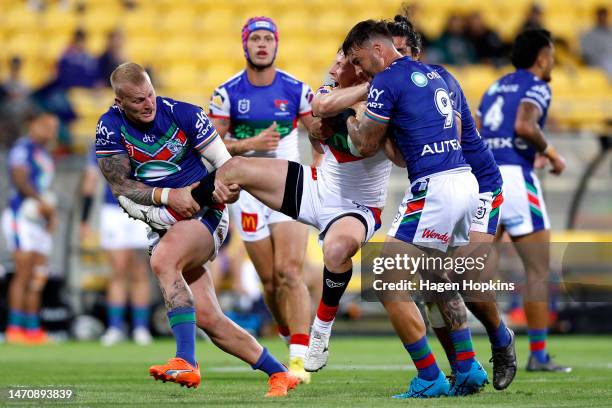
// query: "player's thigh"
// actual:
[[263, 178], [188, 244], [261, 253], [534, 251], [290, 239], [24, 264]]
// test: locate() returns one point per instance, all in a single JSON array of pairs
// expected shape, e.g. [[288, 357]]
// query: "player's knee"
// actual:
[[288, 273], [231, 168], [339, 251], [162, 262]]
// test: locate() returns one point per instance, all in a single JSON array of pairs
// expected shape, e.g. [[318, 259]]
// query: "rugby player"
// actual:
[[419, 116], [145, 141], [257, 111], [484, 223], [123, 241], [27, 224], [511, 116]]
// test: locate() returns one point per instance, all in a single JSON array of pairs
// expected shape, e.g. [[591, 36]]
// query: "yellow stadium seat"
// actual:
[[27, 45]]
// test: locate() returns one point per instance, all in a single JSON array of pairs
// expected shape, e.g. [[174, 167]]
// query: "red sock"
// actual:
[[326, 313], [299, 338]]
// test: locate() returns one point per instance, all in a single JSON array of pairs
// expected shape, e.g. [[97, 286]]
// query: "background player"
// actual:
[[28, 222], [484, 223], [512, 114], [427, 140], [124, 241], [142, 142], [258, 110]]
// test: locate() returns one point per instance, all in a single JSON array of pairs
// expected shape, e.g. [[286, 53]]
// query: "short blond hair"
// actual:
[[129, 72]]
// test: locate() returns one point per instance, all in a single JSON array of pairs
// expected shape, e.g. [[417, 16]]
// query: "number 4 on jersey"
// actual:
[[494, 116]]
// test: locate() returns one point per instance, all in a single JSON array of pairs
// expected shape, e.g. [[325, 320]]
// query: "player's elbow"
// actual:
[[367, 150], [523, 129]]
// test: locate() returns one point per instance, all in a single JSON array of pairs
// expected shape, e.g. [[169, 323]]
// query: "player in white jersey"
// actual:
[[346, 175], [257, 112]]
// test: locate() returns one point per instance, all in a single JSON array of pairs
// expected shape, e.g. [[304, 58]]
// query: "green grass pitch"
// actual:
[[362, 371]]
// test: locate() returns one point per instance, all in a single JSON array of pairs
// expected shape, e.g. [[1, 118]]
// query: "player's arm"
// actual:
[[116, 170], [21, 179], [392, 152], [367, 135], [332, 103], [89, 184], [527, 127]]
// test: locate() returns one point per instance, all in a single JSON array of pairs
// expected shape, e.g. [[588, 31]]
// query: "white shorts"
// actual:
[[253, 217], [523, 211], [25, 234], [486, 218], [320, 207], [215, 219], [437, 211], [118, 231]]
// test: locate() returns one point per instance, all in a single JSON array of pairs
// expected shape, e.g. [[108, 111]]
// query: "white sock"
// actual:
[[297, 350], [322, 326]]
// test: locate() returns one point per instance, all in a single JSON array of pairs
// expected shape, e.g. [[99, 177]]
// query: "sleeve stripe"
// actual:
[[533, 101], [308, 112], [202, 146], [217, 116], [375, 117], [101, 153]]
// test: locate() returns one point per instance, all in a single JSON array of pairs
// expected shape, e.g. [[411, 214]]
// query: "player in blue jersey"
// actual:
[[123, 241], [27, 224], [145, 142], [411, 101], [512, 115], [257, 112], [484, 223]]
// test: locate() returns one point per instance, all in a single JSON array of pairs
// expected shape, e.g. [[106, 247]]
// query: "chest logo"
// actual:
[[281, 104], [174, 146], [244, 105]]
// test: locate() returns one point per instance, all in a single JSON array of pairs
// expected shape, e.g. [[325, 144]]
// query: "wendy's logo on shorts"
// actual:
[[249, 222], [433, 234], [244, 105], [481, 211], [281, 104]]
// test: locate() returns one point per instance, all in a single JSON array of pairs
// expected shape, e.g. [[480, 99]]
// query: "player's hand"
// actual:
[[320, 129], [540, 161], [556, 160], [224, 194], [558, 164], [181, 201], [46, 210], [359, 108], [266, 140]]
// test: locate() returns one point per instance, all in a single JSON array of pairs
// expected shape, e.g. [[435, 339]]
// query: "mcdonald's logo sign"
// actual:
[[249, 222]]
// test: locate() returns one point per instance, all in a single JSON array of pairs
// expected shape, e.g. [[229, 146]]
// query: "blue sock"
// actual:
[[31, 321], [500, 337], [268, 364], [140, 316], [16, 318], [114, 315], [182, 322], [423, 359], [537, 344], [464, 350]]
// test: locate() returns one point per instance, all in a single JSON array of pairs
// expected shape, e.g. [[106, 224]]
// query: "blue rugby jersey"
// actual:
[[414, 100], [475, 150], [39, 164], [251, 109], [498, 109], [165, 153]]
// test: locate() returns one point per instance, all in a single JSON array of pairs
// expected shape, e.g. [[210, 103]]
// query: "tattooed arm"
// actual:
[[117, 170], [367, 135]]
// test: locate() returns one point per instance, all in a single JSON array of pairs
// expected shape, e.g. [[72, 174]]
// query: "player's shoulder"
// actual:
[[289, 79], [175, 107], [112, 114], [232, 82]]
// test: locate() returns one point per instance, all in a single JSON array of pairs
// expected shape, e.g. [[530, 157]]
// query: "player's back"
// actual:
[[252, 108], [414, 100], [475, 150], [498, 110], [163, 153]]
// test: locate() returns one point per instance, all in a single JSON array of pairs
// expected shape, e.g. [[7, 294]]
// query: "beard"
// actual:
[[260, 67]]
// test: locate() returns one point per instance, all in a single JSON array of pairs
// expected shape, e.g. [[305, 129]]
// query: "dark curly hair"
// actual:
[[401, 26], [528, 45]]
